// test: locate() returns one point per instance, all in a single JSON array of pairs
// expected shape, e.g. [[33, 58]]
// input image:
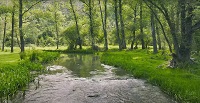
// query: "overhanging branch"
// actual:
[[31, 7], [196, 26]]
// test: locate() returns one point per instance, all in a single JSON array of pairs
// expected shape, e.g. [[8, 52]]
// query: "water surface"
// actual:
[[83, 79]]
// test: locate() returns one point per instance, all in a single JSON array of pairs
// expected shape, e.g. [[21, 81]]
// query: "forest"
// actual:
[[155, 40]]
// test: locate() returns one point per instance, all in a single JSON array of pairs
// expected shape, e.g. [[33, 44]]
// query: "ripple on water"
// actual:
[[101, 86]]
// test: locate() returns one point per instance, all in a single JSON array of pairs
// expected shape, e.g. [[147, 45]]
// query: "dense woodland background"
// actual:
[[171, 25]]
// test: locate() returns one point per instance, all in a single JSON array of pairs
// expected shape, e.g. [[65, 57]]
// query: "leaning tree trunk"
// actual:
[[117, 24], [122, 26], [4, 33], [79, 41]]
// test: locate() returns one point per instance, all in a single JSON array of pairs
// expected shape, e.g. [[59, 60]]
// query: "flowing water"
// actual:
[[83, 79]]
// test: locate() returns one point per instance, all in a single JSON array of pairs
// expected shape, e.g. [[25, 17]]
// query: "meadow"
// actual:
[[181, 84], [15, 69]]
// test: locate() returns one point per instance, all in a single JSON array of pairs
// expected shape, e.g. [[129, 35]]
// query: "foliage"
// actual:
[[182, 85], [71, 36]]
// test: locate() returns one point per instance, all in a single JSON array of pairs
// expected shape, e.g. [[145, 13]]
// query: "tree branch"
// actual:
[[196, 26], [150, 1], [31, 7], [85, 3], [163, 30]]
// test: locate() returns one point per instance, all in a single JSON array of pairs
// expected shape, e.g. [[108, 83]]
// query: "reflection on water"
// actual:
[[83, 79], [81, 65]]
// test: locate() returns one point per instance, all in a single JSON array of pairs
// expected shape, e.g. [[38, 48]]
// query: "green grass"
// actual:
[[182, 85], [15, 73], [8, 58]]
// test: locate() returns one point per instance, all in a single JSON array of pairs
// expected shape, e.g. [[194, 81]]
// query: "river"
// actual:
[[83, 79]]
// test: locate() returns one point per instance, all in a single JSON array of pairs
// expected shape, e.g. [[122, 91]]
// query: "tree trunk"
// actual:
[[117, 24], [79, 41], [103, 20], [122, 26], [172, 29], [91, 24], [155, 49], [12, 31], [186, 32], [162, 28], [105, 29], [57, 32], [20, 26], [141, 26], [4, 33], [134, 30], [158, 37]]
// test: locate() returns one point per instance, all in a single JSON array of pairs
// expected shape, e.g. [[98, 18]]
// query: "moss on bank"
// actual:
[[181, 84]]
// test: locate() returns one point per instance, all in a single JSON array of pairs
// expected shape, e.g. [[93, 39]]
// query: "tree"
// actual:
[[4, 32], [117, 24], [21, 13], [104, 22], [183, 48], [141, 26], [155, 50], [13, 26], [123, 42], [89, 4], [79, 41], [56, 23], [161, 25]]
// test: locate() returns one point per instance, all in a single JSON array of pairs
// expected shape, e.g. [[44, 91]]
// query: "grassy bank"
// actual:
[[15, 73], [181, 84]]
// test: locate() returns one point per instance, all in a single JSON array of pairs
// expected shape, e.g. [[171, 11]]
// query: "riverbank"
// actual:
[[15, 72], [182, 85]]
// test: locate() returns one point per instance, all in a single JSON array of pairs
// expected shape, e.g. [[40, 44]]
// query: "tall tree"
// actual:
[[155, 50], [91, 23], [158, 35], [20, 26], [79, 41], [21, 13], [117, 23], [182, 51], [4, 32], [141, 25], [123, 42], [13, 26], [104, 22], [134, 29], [89, 4], [161, 25]]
